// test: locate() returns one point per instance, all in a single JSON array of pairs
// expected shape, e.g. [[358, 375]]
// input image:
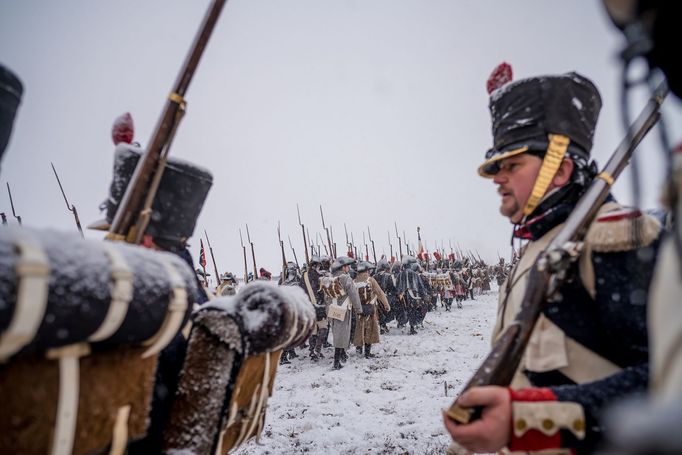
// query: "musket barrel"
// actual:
[[128, 212], [71, 208], [215, 267]]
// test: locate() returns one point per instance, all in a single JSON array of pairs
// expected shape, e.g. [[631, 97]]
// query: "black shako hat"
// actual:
[[179, 198], [11, 90], [526, 111]]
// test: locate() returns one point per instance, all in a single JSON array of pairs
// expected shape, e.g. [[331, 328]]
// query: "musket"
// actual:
[[284, 257], [215, 267], [134, 210], [318, 237], [246, 267], [374, 251], [305, 242], [400, 245], [331, 233], [551, 266], [390, 245], [348, 244], [253, 254], [312, 246], [352, 242], [71, 208], [407, 247], [419, 237], [329, 240], [479, 257], [11, 202], [293, 251]]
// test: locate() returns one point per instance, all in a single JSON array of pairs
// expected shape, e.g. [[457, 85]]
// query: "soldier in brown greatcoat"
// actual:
[[367, 322]]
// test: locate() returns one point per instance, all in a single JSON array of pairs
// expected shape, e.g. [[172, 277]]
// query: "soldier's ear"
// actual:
[[563, 174]]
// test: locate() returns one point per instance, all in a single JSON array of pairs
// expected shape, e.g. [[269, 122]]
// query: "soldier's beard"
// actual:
[[511, 208]]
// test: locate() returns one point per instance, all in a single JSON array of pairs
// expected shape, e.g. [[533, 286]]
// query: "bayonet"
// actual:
[[324, 226], [284, 257], [305, 242], [246, 267], [11, 202], [374, 251], [215, 267], [293, 251], [253, 254], [390, 245], [70, 207]]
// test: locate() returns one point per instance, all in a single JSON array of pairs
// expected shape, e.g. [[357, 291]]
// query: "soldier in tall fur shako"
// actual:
[[589, 347], [342, 299], [367, 322], [176, 207]]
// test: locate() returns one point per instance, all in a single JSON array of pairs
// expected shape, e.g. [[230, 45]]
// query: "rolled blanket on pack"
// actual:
[[85, 282], [86, 316], [231, 361]]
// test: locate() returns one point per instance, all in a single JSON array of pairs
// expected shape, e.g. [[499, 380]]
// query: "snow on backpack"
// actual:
[[229, 370], [87, 318]]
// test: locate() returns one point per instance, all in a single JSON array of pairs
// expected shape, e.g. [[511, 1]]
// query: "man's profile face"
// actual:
[[515, 181]]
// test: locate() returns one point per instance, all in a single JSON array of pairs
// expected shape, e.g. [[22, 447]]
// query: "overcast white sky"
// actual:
[[375, 109]]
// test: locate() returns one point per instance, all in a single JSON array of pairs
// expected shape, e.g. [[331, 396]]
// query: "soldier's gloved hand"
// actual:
[[367, 310]]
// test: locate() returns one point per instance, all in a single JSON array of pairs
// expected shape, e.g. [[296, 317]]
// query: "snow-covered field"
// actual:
[[387, 405]]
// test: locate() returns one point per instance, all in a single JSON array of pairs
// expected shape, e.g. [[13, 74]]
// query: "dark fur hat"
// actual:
[[179, 199], [526, 111]]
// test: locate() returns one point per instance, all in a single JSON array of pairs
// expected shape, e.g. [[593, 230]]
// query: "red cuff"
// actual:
[[532, 439], [532, 394]]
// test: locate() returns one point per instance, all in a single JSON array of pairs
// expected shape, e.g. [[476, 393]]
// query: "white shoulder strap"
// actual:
[[176, 311], [121, 294], [67, 403], [33, 273]]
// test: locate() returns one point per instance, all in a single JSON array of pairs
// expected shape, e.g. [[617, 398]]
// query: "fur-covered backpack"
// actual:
[[331, 287], [367, 297]]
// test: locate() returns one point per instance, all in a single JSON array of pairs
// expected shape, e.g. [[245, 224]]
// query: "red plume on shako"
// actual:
[[502, 74], [123, 129]]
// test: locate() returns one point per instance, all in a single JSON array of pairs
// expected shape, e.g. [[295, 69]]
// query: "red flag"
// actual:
[[436, 255], [202, 255], [350, 254]]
